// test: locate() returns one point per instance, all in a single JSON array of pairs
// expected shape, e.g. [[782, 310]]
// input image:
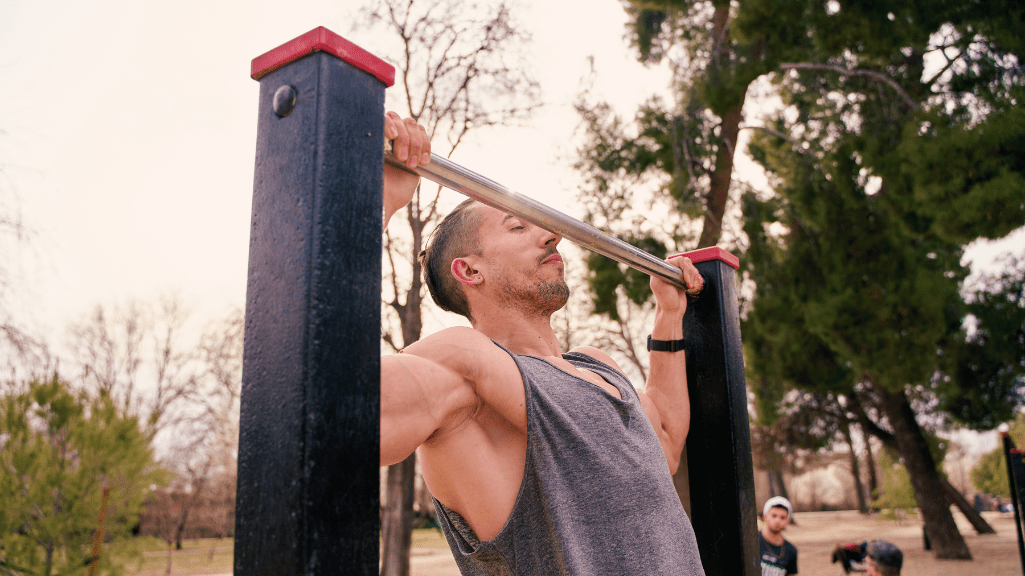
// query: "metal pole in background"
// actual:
[[309, 444]]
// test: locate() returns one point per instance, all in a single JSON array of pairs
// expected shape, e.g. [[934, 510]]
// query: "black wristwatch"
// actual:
[[665, 345]]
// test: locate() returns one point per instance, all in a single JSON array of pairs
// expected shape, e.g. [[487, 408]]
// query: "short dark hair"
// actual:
[[456, 236], [887, 558]]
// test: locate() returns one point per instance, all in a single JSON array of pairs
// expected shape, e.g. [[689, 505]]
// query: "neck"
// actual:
[[521, 335]]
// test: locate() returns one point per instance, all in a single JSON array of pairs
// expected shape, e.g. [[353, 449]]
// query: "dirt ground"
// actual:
[[816, 533]]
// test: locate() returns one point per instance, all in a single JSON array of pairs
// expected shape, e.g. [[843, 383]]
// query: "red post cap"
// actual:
[[322, 39], [713, 253]]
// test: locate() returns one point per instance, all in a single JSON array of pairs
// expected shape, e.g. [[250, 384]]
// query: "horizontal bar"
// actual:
[[452, 175]]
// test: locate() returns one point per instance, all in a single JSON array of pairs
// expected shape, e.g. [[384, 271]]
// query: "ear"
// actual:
[[465, 272]]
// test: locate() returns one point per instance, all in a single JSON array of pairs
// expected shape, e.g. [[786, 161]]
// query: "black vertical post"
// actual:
[[721, 475], [308, 484], [1016, 483]]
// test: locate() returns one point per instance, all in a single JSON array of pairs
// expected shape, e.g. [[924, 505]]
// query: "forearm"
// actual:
[[667, 382]]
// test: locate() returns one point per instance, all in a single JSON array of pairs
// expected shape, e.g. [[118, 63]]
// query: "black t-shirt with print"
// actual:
[[777, 560]]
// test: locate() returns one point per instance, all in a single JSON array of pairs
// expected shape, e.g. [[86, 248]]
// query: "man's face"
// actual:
[[776, 519], [870, 567], [521, 261]]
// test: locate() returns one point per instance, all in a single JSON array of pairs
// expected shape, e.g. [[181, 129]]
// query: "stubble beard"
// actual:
[[541, 299]]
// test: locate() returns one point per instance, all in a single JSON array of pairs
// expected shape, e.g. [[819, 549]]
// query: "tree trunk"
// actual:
[[940, 527], [777, 486], [48, 561], [873, 480], [719, 191], [398, 518], [955, 498], [859, 488]]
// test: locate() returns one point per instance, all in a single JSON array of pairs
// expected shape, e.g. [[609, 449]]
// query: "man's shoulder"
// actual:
[[458, 337], [598, 355], [464, 350]]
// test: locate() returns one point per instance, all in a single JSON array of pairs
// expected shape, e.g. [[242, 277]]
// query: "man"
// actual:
[[539, 462], [779, 557], [883, 559]]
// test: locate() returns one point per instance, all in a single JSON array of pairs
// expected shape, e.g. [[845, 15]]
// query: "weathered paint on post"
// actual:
[[308, 484], [721, 474]]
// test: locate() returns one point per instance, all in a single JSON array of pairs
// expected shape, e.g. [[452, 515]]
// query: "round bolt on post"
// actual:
[[284, 101]]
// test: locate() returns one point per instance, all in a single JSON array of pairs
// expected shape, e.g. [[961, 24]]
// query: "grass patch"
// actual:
[[196, 556], [429, 538]]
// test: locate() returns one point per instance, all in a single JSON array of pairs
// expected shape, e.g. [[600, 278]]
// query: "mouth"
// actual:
[[554, 259]]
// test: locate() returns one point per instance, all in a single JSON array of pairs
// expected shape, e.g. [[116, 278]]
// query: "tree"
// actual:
[[24, 356], [148, 360], [459, 70], [202, 456], [897, 494], [138, 356], [857, 257], [59, 450], [989, 476]]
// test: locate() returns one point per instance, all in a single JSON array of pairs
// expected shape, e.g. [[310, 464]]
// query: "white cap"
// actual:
[[777, 501]]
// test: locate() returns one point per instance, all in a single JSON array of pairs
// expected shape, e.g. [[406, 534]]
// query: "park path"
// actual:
[[816, 533]]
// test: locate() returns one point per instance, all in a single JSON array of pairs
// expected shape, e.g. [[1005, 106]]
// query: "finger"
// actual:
[[400, 142], [425, 152], [389, 125], [691, 277], [416, 139]]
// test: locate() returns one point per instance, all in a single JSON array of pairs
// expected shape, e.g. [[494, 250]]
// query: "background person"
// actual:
[[883, 559], [779, 557]]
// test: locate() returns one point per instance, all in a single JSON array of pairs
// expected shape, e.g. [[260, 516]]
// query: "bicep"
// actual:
[[418, 398]]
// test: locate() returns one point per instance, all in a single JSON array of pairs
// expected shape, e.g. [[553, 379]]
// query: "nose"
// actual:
[[550, 239]]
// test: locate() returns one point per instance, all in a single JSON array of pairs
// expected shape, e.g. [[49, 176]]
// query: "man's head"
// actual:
[[455, 236], [498, 258], [776, 514], [883, 559]]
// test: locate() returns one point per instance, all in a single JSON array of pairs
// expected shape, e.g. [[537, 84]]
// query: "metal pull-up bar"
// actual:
[[486, 191]]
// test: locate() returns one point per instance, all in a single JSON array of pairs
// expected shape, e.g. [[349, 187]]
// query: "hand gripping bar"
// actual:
[[451, 175]]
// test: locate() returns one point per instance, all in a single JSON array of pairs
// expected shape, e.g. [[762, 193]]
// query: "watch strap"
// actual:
[[665, 345]]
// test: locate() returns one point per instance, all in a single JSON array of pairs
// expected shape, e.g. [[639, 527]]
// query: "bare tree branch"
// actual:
[[879, 77]]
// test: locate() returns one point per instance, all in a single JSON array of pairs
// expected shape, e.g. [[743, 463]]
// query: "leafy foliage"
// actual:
[[896, 141], [989, 476], [990, 363], [58, 451], [895, 490]]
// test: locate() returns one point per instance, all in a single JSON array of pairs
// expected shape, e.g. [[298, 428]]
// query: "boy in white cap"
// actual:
[[779, 557]]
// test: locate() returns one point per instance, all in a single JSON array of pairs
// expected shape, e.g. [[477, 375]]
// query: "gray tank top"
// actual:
[[596, 496]]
